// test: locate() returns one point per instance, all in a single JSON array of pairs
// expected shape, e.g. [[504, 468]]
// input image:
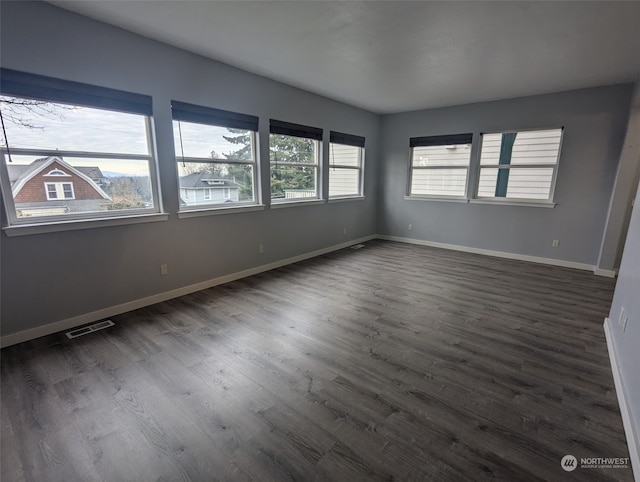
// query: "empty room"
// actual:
[[309, 240]]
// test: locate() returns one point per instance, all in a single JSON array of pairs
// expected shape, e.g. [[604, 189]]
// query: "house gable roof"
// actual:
[[200, 180], [39, 165]]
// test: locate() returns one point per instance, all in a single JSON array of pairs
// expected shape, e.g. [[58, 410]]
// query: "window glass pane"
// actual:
[[292, 149], [451, 155], [293, 182], [214, 183], [46, 125], [439, 182], [530, 147], [487, 182], [343, 155], [91, 185], [523, 183], [536, 147], [213, 142], [344, 182]]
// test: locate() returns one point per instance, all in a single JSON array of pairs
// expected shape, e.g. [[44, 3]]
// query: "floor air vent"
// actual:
[[101, 325]]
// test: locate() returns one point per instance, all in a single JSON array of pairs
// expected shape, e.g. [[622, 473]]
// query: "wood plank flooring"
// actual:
[[392, 362]]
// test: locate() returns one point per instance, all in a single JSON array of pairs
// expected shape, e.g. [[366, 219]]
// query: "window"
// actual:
[[97, 139], [440, 165], [215, 155], [345, 165], [519, 165], [294, 158], [59, 190]]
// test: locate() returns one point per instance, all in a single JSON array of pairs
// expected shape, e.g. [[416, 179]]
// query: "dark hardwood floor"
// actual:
[[392, 362]]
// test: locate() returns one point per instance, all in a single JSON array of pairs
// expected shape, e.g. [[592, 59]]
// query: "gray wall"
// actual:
[[627, 296], [52, 277], [623, 191], [595, 122]]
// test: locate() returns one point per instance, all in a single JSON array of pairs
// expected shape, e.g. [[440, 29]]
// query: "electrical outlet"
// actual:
[[410, 227], [164, 270], [555, 243], [344, 231], [260, 248]]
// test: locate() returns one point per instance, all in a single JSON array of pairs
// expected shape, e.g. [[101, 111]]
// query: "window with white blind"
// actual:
[[345, 165], [519, 165], [440, 165]]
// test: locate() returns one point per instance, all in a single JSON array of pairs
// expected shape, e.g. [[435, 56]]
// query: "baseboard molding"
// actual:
[[498, 254], [607, 273], [69, 323], [630, 429]]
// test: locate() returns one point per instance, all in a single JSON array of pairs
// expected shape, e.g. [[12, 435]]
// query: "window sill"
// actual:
[[75, 224], [345, 199], [528, 204], [218, 211], [291, 204], [437, 199]]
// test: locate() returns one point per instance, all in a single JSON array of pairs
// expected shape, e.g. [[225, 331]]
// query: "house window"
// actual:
[[57, 172], [294, 159], [519, 165], [440, 165], [59, 190], [345, 165], [215, 154], [97, 136]]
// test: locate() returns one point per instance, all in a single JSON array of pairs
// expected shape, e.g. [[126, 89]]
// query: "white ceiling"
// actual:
[[392, 56]]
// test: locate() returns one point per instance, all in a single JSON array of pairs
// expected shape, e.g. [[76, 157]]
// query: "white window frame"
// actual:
[[58, 187], [209, 116], [207, 194], [441, 140], [337, 138], [59, 91], [280, 128], [549, 201]]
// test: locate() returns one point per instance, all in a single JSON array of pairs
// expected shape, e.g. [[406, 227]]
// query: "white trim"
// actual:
[[343, 199], [452, 199], [297, 202], [489, 252], [607, 273], [223, 210], [85, 318], [633, 440], [529, 203], [85, 223]]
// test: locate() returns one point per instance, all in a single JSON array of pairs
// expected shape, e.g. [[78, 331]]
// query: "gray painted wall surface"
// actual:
[[595, 123], [623, 191], [627, 296], [52, 277]]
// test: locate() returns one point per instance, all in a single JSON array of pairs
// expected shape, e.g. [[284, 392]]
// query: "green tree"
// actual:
[[282, 149], [287, 149]]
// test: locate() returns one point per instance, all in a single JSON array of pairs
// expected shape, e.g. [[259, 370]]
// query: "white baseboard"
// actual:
[[498, 254], [69, 323], [607, 273], [630, 429], [85, 318]]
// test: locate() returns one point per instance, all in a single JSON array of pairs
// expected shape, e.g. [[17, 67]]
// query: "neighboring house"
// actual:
[[205, 188], [52, 186]]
